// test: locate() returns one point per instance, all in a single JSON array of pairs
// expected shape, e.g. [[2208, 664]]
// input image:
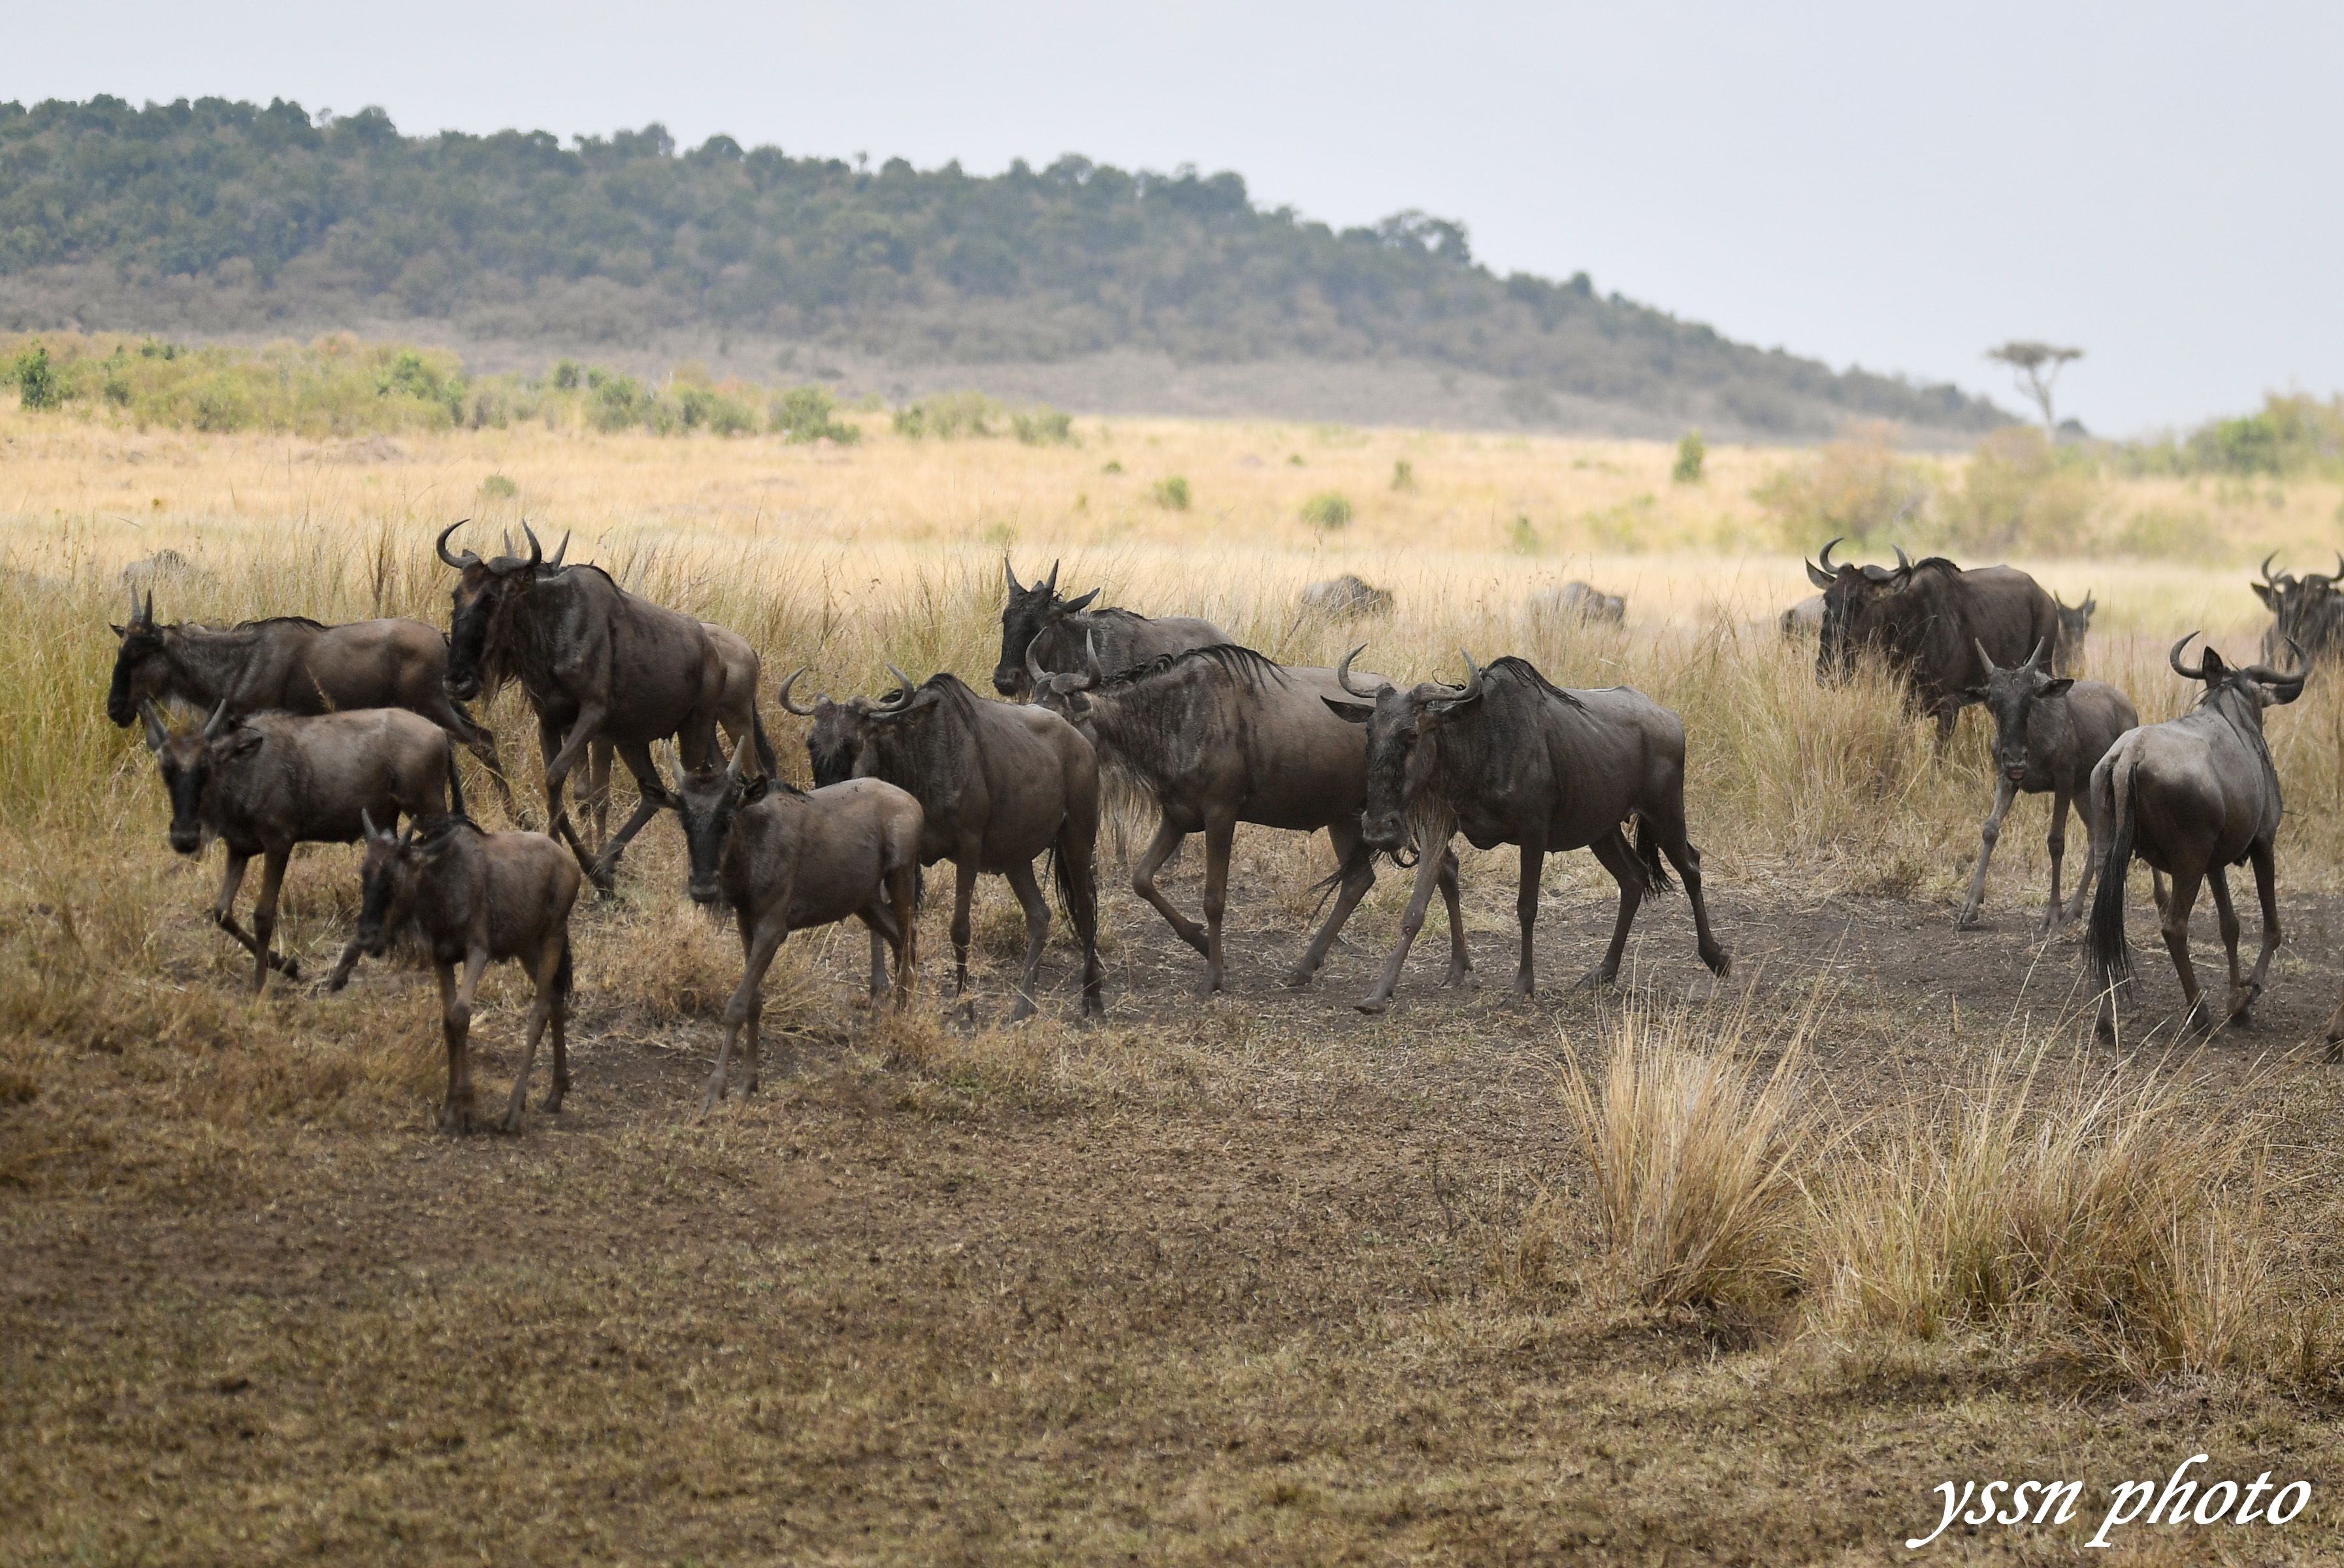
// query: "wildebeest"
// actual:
[[274, 780], [1805, 619], [1346, 598], [736, 714], [1036, 621], [785, 859], [596, 661], [2075, 626], [291, 665], [2306, 612], [1219, 735], [2049, 733], [163, 566], [1578, 602], [996, 785], [475, 898], [1510, 758], [1929, 619], [2193, 796]]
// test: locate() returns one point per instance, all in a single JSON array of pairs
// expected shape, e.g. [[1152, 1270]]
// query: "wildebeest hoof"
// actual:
[[289, 967], [1197, 940], [1373, 1004], [1968, 920], [1297, 979], [1593, 980], [459, 1120]]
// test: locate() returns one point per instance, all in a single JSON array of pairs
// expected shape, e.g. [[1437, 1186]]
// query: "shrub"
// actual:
[[1404, 474], [567, 376], [705, 407], [2020, 492], [1112, 466], [1856, 488], [806, 414], [38, 385], [1172, 494], [1525, 538], [2183, 534], [1043, 427], [1326, 511], [948, 415], [495, 487], [1691, 452], [619, 401]]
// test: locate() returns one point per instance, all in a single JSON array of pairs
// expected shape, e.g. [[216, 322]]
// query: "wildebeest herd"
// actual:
[[313, 734]]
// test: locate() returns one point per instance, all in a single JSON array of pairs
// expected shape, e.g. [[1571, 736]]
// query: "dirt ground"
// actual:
[[1252, 1279]]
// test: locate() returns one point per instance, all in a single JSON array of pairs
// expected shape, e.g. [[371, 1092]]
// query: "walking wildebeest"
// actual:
[[997, 785], [1929, 619], [736, 715], [1220, 735], [2049, 733], [274, 780], [596, 661], [1805, 619], [2075, 626], [2306, 611], [294, 665], [475, 898], [1578, 602], [1054, 632], [2193, 796], [1510, 758], [1346, 598], [785, 859]]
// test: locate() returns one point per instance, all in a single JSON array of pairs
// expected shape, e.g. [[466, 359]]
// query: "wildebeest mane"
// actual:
[[1526, 673], [268, 621], [1241, 663]]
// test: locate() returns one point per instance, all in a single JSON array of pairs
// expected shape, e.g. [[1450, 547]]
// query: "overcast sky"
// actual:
[[1881, 184]]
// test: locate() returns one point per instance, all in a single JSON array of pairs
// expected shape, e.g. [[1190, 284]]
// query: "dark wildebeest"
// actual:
[[475, 898], [736, 714], [2193, 796], [1036, 621], [2049, 733], [597, 662], [1805, 619], [1927, 619], [276, 779], [1510, 758], [2075, 626], [996, 785], [2306, 612], [785, 859], [1220, 735], [1342, 599], [293, 666], [1578, 602]]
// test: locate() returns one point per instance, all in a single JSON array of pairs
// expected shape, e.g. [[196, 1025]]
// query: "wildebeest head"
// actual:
[[1027, 614], [2259, 685], [483, 596], [2306, 612], [2009, 695], [189, 758], [141, 666], [834, 743], [708, 800], [1403, 743], [1852, 599], [2075, 624]]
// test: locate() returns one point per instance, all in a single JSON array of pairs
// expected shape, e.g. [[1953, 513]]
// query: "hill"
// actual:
[[1081, 282]]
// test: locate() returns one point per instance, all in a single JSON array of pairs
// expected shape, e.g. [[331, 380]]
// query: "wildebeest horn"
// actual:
[[1903, 566], [508, 549], [536, 551], [1090, 666], [366, 822], [218, 721], [741, 755], [1343, 673], [1825, 557], [1034, 670], [555, 564], [1986, 658], [2042, 650], [468, 559], [908, 689], [2174, 659], [2266, 576], [1472, 676], [2270, 676], [789, 707], [1052, 586], [1011, 572], [157, 732]]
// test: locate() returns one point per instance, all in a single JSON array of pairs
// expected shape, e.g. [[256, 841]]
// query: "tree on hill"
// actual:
[[2037, 366]]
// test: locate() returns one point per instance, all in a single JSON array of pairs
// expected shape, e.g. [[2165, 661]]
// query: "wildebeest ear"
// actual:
[[1974, 694], [237, 743], [1069, 606], [1349, 713], [2057, 688], [755, 789], [2267, 594]]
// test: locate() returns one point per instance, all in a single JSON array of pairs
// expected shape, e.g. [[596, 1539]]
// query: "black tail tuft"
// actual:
[[1648, 850], [1070, 878], [455, 786], [765, 758], [2111, 964], [561, 976]]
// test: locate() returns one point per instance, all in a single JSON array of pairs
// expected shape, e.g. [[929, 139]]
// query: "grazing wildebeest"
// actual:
[[2049, 733], [785, 859], [294, 665], [1340, 598], [1929, 619], [274, 780], [1219, 735], [597, 662], [163, 566], [2306, 612], [736, 714], [996, 785], [1805, 619], [2193, 796], [1055, 632], [1579, 601], [2075, 626], [475, 898], [1510, 758]]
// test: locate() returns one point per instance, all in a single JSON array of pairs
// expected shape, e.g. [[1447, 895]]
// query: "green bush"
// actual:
[[2020, 493], [1857, 488], [806, 414], [1043, 427], [1524, 537], [1403, 475], [619, 402], [949, 414], [567, 375], [706, 408], [495, 487], [1172, 494], [38, 385], [2172, 534], [1691, 452], [1327, 510]]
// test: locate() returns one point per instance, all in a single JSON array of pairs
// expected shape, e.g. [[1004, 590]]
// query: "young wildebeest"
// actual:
[[2192, 796], [996, 785], [2306, 612], [785, 859], [2075, 626], [475, 898], [1217, 736], [2049, 733], [1037, 626], [276, 780], [1512, 758], [292, 665]]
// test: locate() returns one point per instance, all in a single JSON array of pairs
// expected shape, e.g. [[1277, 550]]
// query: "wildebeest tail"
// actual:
[[2111, 964], [561, 976], [1067, 877], [1648, 850], [1361, 853], [455, 785], [765, 758]]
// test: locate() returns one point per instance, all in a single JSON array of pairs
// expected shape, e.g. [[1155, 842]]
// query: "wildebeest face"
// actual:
[[140, 666], [1403, 747], [709, 800], [188, 760], [1027, 614], [481, 596], [2010, 695], [835, 744], [386, 880]]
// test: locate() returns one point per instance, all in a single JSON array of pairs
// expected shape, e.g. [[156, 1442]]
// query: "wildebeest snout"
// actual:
[[1384, 832], [187, 840], [704, 890]]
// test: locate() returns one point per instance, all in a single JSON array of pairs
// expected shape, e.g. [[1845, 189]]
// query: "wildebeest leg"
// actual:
[[1078, 850], [596, 805], [1947, 717], [540, 1011], [2175, 923], [1459, 961], [1220, 833], [2266, 890], [1526, 901], [456, 1026], [963, 889], [1620, 860], [1143, 882], [747, 1006], [2004, 792], [1344, 835], [558, 1012], [1687, 860], [223, 915], [264, 917], [2218, 881], [1037, 932], [903, 912], [561, 756], [477, 739], [655, 798], [1429, 867], [2093, 841]]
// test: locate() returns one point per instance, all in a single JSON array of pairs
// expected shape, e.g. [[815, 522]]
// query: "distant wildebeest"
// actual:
[[475, 898], [2075, 626], [274, 780], [1342, 599], [1510, 758], [597, 662], [294, 665], [785, 859], [1805, 619], [1219, 735], [736, 715], [1578, 602], [996, 785], [1927, 619], [163, 566], [2049, 733], [2306, 612], [1053, 632], [2193, 796]]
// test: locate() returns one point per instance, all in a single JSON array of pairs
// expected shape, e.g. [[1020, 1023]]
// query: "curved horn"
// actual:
[[1903, 565], [366, 822], [2174, 659], [508, 549], [1472, 676], [2266, 576], [1010, 572], [1826, 559], [2265, 674], [536, 551], [1090, 667], [555, 564], [148, 614], [2041, 651], [1034, 670], [908, 691], [468, 559], [218, 721], [1343, 673], [1052, 586], [788, 706], [1985, 658], [741, 755]]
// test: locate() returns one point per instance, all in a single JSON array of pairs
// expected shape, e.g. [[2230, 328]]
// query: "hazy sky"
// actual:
[[1881, 184]]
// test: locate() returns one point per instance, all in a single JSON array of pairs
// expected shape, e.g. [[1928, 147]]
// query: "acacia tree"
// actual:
[[2036, 367]]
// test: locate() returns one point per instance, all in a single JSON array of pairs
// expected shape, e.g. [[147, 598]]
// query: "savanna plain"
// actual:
[[1677, 1272]]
